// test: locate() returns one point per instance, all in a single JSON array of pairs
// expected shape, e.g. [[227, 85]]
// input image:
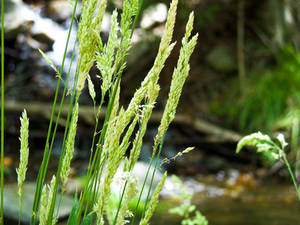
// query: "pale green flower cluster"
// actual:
[[273, 149], [88, 35], [43, 207], [113, 146], [46, 199], [105, 58], [179, 76], [122, 123], [145, 116], [24, 152], [124, 128], [130, 192], [264, 143], [69, 147]]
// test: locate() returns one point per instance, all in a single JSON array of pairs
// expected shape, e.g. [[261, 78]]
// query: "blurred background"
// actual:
[[245, 77]]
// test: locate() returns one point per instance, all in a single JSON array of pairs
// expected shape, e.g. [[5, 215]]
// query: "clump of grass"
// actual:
[[121, 125]]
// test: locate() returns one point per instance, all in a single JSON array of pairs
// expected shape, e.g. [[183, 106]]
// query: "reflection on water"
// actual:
[[260, 205], [268, 205]]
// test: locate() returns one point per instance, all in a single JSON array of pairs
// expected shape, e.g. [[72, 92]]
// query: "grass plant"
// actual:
[[2, 115], [24, 153], [123, 128], [264, 143]]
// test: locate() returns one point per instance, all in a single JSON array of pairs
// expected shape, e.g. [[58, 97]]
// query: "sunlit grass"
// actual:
[[120, 126]]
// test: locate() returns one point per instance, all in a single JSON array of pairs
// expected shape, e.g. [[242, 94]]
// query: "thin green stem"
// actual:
[[292, 175], [20, 208], [152, 178], [99, 148], [136, 17], [95, 130], [153, 174], [63, 148], [98, 151], [130, 169], [132, 30], [47, 150], [2, 112], [142, 190], [93, 145], [120, 203]]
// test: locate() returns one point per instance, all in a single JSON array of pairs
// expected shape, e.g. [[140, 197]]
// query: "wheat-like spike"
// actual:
[[24, 152], [88, 36], [50, 197], [65, 171], [105, 59], [178, 79], [43, 207]]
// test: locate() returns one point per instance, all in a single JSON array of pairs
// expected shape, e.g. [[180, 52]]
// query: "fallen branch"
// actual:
[[215, 133]]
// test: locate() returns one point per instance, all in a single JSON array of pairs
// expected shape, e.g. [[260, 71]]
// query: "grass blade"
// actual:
[[72, 217], [88, 219], [47, 150], [2, 111]]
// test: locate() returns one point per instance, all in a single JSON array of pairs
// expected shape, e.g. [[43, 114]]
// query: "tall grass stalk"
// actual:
[[24, 152], [125, 23], [47, 150], [2, 113], [178, 79], [120, 125], [66, 135]]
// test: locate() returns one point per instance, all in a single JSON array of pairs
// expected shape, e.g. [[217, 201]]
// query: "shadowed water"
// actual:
[[262, 205]]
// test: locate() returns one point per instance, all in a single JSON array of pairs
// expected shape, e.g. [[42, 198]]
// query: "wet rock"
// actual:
[[221, 58], [11, 203], [18, 17], [154, 14], [60, 10], [46, 31]]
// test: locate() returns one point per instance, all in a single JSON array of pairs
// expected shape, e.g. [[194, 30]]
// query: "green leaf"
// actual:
[[88, 219], [73, 215]]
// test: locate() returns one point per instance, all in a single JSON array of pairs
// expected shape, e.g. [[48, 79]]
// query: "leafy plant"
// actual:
[[268, 95], [264, 143], [111, 141], [187, 210]]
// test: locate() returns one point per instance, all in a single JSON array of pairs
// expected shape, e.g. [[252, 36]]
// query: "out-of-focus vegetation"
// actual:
[[264, 143], [271, 97]]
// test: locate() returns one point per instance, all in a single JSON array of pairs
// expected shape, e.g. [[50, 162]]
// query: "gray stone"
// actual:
[[11, 203], [60, 10], [17, 16]]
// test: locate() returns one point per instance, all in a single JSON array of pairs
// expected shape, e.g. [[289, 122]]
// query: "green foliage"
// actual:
[[120, 126], [72, 216], [268, 95], [263, 144], [187, 209]]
